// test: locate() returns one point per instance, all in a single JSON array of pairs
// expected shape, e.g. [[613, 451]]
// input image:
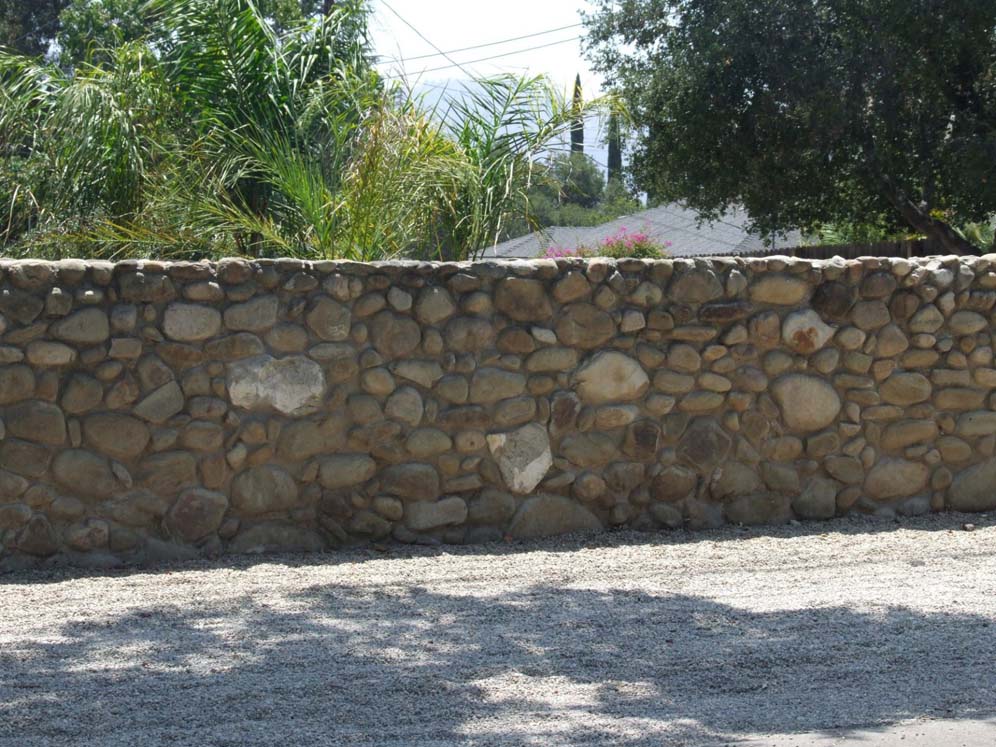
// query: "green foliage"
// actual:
[[811, 113], [501, 127], [569, 190], [222, 134]]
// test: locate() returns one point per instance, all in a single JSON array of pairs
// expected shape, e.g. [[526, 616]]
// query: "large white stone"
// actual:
[[523, 456], [611, 377], [808, 404], [292, 386]]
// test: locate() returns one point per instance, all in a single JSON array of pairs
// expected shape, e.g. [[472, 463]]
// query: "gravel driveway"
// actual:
[[813, 633]]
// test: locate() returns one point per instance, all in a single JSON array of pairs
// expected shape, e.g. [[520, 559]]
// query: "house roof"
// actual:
[[673, 222]]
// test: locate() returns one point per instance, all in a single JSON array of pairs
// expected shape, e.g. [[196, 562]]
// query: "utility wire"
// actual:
[[494, 43], [492, 57], [426, 40]]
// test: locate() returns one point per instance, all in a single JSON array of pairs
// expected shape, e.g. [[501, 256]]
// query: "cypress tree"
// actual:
[[615, 149], [577, 129]]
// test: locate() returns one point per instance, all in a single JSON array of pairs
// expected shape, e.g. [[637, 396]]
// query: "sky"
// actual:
[[457, 24]]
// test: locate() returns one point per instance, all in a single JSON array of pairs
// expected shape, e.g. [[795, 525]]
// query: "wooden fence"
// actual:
[[914, 248]]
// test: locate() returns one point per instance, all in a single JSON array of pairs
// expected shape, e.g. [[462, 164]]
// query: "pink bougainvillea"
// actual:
[[623, 243]]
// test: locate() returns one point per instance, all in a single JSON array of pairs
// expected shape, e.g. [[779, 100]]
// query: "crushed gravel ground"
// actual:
[[816, 634]]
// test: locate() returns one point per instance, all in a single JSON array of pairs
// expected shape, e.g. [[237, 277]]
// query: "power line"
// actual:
[[494, 43], [426, 40], [492, 57]]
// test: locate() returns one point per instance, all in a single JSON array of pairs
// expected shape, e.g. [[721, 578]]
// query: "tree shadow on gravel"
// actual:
[[401, 665], [60, 570]]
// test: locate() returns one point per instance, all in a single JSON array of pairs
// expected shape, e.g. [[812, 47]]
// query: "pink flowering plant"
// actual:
[[623, 243]]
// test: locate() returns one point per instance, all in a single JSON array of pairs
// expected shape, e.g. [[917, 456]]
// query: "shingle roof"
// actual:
[[673, 223]]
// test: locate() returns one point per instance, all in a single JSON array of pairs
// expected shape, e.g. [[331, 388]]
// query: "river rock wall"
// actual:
[[169, 410]]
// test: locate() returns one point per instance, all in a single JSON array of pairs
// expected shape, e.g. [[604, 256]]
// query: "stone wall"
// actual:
[[157, 410]]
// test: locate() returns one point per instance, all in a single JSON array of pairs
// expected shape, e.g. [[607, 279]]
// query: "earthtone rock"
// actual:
[[469, 334], [807, 403], [491, 507], [36, 421], [329, 320], [424, 515], [696, 286], [276, 537], [168, 473], [705, 445], [891, 342], [589, 449], [162, 404], [50, 354], [548, 515], [973, 490], [423, 373], [817, 501], [346, 470], [406, 405], [978, 423], [428, 442], [909, 432], [418, 482], [263, 489], [610, 377], [734, 479], [81, 394], [37, 538], [523, 456], [673, 483], [780, 290], [22, 307], [393, 335], [24, 458], [89, 535], [552, 360], [15, 515], [119, 436], [833, 300], [585, 326], [188, 322], [523, 300], [869, 315], [17, 382], [493, 384], [765, 330], [905, 389], [927, 320], [966, 323], [434, 305], [896, 478], [257, 315], [573, 286], [805, 331], [234, 347], [87, 327], [85, 474], [759, 508], [196, 514], [292, 386]]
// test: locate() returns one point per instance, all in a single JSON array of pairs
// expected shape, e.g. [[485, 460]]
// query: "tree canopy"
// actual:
[[807, 112], [86, 30]]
